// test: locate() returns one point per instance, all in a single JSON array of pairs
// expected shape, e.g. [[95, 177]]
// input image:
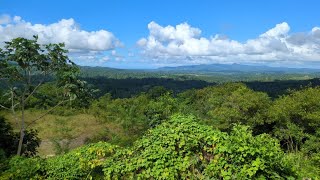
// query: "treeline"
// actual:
[[217, 77], [129, 87], [220, 107], [277, 88], [194, 135]]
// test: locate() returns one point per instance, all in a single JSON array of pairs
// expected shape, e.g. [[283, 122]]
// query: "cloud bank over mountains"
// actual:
[[181, 44]]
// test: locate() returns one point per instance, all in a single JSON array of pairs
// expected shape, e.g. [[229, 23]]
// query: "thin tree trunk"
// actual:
[[27, 73], [291, 144], [22, 129], [20, 141]]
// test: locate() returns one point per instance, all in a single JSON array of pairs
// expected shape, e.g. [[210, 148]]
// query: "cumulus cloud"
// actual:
[[66, 30], [80, 43], [183, 44], [281, 29]]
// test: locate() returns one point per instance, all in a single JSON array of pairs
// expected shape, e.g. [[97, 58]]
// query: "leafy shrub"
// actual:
[[223, 105], [306, 167], [31, 142], [9, 140], [24, 168], [244, 156], [135, 115], [171, 150], [3, 161], [296, 118], [80, 163], [183, 149]]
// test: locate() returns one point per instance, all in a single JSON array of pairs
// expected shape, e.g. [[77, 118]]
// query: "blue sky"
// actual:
[[148, 34]]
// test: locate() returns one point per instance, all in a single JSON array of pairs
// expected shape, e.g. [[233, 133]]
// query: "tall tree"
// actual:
[[24, 66]]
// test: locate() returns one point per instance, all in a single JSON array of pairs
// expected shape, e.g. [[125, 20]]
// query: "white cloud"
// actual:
[[184, 44], [116, 56], [66, 30], [113, 52], [179, 33], [80, 43], [281, 29], [5, 19], [105, 58]]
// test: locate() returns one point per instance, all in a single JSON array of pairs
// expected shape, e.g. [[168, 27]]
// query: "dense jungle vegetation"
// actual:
[[137, 126]]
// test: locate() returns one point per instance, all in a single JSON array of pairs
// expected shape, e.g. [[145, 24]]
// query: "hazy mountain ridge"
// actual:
[[235, 68], [211, 68]]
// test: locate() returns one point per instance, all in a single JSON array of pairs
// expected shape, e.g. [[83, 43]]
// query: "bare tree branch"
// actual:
[[4, 107], [33, 91], [13, 106]]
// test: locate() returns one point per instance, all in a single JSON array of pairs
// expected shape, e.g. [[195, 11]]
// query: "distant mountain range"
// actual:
[[211, 68], [205, 69]]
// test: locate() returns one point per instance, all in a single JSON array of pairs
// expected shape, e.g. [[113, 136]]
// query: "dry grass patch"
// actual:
[[79, 126]]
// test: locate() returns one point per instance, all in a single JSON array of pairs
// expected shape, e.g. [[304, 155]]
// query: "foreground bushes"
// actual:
[[183, 149], [25, 168], [177, 149]]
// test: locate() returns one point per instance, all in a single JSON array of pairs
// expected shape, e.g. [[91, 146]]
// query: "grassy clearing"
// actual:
[[80, 126]]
